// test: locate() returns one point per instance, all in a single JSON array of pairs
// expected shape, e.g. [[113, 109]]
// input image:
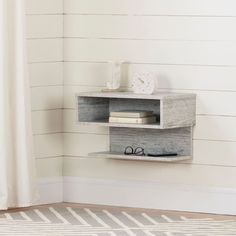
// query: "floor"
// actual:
[[151, 211], [66, 219]]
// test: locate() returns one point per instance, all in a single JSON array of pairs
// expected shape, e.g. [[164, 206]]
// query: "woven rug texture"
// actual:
[[72, 221]]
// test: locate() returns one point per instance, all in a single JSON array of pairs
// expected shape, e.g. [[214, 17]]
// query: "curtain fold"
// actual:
[[17, 164]]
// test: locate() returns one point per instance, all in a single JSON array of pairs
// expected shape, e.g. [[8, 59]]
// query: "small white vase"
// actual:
[[114, 75]]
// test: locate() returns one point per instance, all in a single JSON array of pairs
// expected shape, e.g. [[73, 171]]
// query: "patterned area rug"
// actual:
[[71, 221]]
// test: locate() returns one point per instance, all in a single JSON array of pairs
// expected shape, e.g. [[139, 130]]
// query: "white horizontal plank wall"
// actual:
[[152, 7], [44, 22], [190, 46]]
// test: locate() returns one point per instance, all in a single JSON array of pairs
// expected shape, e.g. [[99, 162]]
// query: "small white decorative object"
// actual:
[[114, 75], [143, 83]]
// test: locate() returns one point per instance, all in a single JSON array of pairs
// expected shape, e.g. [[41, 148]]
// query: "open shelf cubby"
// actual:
[[172, 131]]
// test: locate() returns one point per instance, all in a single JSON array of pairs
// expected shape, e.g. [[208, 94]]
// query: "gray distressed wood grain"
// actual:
[[177, 140], [172, 133], [172, 110], [105, 123], [113, 155], [178, 112], [92, 109], [155, 96]]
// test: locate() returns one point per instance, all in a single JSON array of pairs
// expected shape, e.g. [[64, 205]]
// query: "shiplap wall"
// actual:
[[190, 44], [44, 19]]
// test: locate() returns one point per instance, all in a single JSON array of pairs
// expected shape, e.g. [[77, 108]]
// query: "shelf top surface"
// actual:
[[131, 95]]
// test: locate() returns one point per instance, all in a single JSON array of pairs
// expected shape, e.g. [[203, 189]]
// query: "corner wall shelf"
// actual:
[[172, 131]]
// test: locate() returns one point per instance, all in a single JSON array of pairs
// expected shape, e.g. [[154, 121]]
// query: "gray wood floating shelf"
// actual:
[[172, 132]]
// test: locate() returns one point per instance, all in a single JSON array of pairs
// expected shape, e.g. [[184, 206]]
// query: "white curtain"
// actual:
[[17, 167]]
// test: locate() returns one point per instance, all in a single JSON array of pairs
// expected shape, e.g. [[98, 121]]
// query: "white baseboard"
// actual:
[[138, 194], [150, 195], [50, 190]]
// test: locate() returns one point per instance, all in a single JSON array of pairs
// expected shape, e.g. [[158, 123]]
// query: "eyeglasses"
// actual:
[[139, 151]]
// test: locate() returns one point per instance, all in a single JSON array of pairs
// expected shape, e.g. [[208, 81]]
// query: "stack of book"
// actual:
[[134, 117]]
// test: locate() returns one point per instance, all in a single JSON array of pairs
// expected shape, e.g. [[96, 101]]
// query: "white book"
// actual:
[[144, 120], [131, 114]]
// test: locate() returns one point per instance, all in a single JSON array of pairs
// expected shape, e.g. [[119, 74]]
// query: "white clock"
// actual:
[[143, 83]]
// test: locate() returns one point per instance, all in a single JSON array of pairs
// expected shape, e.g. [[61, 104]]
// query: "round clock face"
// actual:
[[143, 83]]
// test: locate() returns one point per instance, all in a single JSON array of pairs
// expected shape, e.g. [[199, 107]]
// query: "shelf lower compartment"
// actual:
[[114, 155]]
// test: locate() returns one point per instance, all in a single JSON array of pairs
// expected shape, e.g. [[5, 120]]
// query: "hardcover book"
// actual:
[[131, 114], [144, 120]]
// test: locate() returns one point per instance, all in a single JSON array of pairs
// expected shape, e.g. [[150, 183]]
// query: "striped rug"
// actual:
[[66, 220]]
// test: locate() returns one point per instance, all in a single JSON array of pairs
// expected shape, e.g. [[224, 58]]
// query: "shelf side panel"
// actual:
[[178, 112], [154, 141], [92, 109]]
